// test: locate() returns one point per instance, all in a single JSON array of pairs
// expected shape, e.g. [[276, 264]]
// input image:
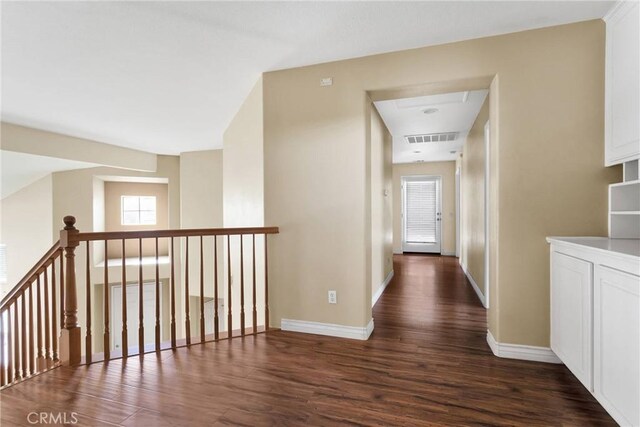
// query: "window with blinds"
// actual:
[[420, 211]]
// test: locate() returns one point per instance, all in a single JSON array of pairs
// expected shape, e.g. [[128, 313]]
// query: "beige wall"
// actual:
[[317, 187], [35, 141], [201, 207], [243, 194], [243, 166], [201, 189], [547, 169], [472, 192], [113, 192], [381, 202], [73, 192], [445, 170], [26, 229]]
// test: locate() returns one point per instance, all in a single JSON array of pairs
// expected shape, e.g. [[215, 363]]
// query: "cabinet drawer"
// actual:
[[571, 314]]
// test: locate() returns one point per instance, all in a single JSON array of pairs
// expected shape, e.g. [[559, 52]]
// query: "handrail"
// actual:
[[188, 232], [43, 262], [34, 338]]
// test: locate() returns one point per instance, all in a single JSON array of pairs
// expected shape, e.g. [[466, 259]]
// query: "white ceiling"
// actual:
[[456, 112], [168, 77], [19, 169]]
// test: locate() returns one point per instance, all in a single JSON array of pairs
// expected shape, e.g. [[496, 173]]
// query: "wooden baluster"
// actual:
[[32, 368], [201, 290], [140, 302], [16, 343], [70, 337], [266, 286], [107, 311], [187, 317], [54, 312], [23, 329], [173, 296], [40, 356], [229, 316], [47, 324], [88, 338], [157, 298], [255, 310], [125, 333], [3, 362], [10, 374], [62, 284], [216, 332], [241, 286]]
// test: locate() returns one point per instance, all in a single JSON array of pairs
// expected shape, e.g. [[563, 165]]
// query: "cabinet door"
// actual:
[[622, 99], [617, 344], [571, 318]]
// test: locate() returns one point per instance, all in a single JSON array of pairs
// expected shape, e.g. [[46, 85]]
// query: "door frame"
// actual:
[[487, 223], [403, 180], [458, 208]]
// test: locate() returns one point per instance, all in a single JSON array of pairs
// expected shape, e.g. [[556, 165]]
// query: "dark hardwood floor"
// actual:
[[427, 363]]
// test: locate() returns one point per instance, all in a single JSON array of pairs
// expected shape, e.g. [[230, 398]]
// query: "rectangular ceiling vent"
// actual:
[[432, 137]]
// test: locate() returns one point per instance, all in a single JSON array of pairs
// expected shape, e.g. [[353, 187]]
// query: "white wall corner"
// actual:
[[375, 297], [521, 352], [447, 253], [328, 329], [397, 252], [475, 286]]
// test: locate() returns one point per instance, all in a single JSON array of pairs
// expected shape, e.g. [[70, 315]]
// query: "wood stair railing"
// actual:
[[29, 320], [29, 341]]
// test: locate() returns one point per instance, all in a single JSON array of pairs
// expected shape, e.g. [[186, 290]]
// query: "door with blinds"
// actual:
[[421, 215]]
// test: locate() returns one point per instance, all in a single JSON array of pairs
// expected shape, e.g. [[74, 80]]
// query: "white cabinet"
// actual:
[[622, 84], [595, 318], [617, 344], [571, 324]]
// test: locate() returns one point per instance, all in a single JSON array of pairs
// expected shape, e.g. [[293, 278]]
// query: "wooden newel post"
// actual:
[[70, 338]]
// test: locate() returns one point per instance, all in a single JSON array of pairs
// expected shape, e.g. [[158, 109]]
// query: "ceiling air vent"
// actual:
[[431, 137]]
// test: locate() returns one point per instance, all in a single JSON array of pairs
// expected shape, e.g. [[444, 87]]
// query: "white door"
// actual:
[[421, 214], [149, 312]]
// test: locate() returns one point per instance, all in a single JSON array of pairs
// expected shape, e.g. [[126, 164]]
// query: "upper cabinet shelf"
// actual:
[[622, 84]]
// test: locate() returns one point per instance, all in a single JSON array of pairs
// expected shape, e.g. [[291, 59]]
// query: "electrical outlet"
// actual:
[[333, 297]]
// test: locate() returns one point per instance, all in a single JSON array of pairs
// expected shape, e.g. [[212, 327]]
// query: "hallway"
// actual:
[[427, 363]]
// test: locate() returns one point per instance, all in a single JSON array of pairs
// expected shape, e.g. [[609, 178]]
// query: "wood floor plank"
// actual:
[[427, 363]]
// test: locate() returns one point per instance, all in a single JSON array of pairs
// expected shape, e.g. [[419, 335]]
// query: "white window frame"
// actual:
[[139, 211]]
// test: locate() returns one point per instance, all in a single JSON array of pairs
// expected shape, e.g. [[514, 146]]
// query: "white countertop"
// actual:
[[628, 247]]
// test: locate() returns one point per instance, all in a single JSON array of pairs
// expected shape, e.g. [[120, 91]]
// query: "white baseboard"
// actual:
[[447, 253], [475, 286], [397, 252], [521, 352], [378, 294], [317, 328]]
